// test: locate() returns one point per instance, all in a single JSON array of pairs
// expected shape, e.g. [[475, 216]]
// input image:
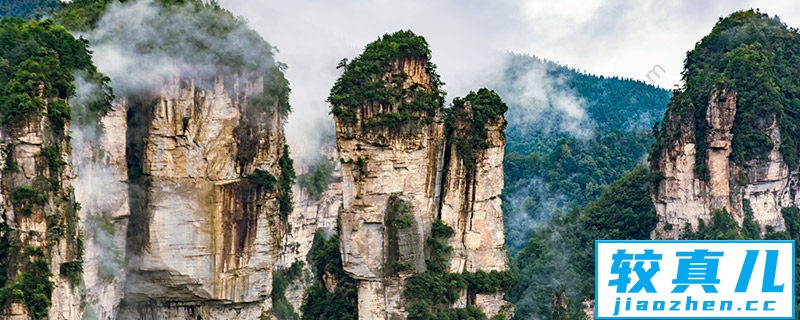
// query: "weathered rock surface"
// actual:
[[39, 217], [680, 197], [201, 239], [309, 217], [414, 165], [102, 190], [471, 205]]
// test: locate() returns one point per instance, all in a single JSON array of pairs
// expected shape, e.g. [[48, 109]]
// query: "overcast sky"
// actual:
[[625, 38]]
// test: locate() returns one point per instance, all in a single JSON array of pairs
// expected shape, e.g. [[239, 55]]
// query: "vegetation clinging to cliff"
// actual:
[[759, 58], [281, 185], [467, 120], [317, 179], [285, 183], [432, 293], [38, 61], [31, 287], [373, 79], [282, 309], [334, 294]]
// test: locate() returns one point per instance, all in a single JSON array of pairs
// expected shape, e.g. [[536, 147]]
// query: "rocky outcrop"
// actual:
[[396, 181], [40, 237], [376, 164], [471, 201], [681, 197], [202, 238], [471, 205], [310, 214]]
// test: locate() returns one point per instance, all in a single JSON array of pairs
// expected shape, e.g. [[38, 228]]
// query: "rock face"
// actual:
[[471, 201], [309, 217], [195, 236], [383, 167], [102, 190], [377, 164], [471, 205], [39, 216], [680, 197]]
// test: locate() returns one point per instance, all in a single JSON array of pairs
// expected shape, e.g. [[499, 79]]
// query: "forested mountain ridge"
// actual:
[[576, 103], [566, 147], [726, 153], [27, 9]]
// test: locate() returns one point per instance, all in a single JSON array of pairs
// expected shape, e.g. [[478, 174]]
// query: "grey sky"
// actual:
[[616, 38]]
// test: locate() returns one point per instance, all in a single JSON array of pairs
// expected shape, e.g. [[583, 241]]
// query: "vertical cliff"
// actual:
[[186, 181], [205, 168], [378, 163], [403, 172], [729, 138], [41, 237], [41, 245], [102, 191], [471, 190], [317, 198]]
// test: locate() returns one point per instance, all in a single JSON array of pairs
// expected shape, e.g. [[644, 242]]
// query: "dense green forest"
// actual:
[[27, 9], [549, 170], [557, 263]]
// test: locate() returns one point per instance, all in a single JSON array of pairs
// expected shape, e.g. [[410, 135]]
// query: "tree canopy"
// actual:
[[38, 64], [373, 78], [26, 9]]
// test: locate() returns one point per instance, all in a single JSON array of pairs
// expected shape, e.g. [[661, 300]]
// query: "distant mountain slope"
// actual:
[[550, 100], [570, 134], [26, 9]]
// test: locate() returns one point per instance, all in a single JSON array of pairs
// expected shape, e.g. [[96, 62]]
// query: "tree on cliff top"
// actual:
[[759, 58], [38, 63], [475, 111], [364, 82]]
